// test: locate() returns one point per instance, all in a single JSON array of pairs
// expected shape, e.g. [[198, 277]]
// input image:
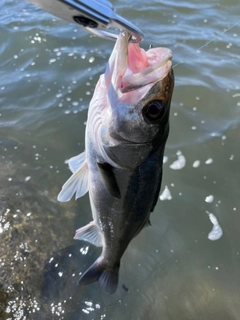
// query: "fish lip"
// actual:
[[117, 63]]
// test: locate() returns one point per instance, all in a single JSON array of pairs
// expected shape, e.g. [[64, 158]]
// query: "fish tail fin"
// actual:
[[107, 278]]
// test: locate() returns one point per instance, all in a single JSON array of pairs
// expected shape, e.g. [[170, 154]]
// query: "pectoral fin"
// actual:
[[109, 179], [89, 233], [76, 162], [77, 183]]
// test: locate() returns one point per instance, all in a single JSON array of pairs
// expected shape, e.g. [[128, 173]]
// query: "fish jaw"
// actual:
[[131, 68], [145, 67]]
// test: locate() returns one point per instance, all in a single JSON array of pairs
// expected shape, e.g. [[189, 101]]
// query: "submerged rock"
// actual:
[[33, 227]]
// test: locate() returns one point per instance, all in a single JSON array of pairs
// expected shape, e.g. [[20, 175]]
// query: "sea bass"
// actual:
[[126, 132]]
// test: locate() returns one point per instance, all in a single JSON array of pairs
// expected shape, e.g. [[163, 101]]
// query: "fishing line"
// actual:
[[206, 44]]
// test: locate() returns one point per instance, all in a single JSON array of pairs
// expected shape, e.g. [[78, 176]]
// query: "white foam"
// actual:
[[209, 161], [166, 194], [179, 163], [196, 164], [216, 232], [209, 199]]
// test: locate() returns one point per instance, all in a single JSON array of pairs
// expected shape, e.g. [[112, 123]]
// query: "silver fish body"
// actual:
[[127, 128]]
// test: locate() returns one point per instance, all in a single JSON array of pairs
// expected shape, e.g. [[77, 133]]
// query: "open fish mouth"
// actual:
[[145, 67]]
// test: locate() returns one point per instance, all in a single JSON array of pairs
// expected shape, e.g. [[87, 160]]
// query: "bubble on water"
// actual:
[[89, 303], [216, 232], [166, 194], [91, 59], [209, 161], [231, 157], [75, 103], [84, 250], [85, 311], [52, 61], [179, 163], [209, 199], [194, 128], [196, 164]]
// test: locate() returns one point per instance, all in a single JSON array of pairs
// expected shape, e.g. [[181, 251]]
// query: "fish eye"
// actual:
[[154, 111]]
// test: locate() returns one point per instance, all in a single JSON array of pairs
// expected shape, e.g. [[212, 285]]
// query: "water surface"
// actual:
[[173, 270]]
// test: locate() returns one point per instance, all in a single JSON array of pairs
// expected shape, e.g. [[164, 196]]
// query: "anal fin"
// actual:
[[89, 233]]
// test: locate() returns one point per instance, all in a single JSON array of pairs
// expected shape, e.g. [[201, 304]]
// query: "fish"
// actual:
[[121, 167]]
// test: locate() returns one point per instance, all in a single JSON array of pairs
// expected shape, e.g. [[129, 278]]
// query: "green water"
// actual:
[[48, 71]]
